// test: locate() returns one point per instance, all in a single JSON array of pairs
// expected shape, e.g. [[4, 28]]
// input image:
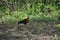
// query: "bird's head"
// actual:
[[27, 17]]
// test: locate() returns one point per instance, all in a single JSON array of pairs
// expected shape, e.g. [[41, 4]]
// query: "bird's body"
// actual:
[[25, 21]]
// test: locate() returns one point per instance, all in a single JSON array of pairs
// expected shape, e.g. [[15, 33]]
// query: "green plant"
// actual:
[[7, 11], [58, 25], [56, 36], [39, 7]]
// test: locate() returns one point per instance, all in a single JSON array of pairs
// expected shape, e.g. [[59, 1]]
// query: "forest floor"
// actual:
[[31, 31]]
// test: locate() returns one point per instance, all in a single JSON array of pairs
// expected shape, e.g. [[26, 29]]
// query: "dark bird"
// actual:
[[25, 21]]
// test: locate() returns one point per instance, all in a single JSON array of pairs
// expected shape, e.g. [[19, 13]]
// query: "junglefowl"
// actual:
[[25, 21]]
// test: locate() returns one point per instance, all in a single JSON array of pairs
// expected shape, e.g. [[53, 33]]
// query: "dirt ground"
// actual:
[[31, 31]]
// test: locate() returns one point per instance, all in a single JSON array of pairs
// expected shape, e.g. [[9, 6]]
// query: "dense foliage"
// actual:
[[40, 10]]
